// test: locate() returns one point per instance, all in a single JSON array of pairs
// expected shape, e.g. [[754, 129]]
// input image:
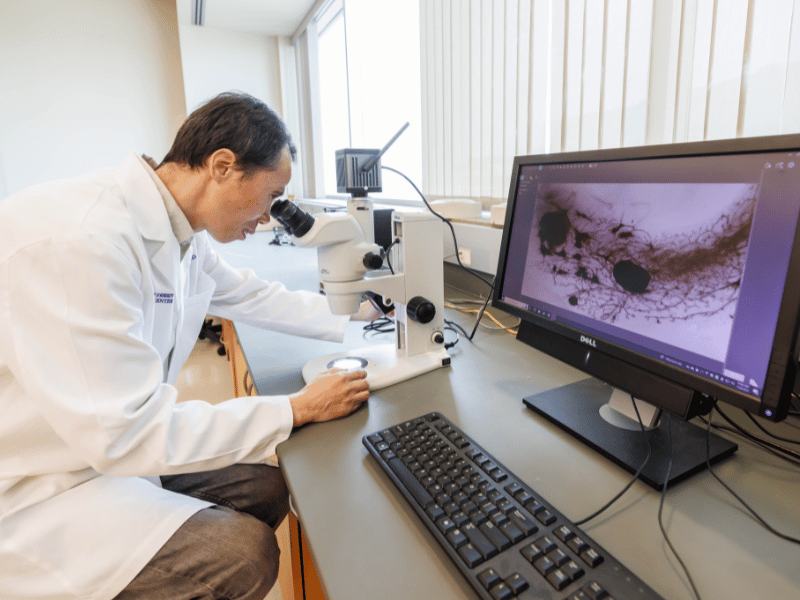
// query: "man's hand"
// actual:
[[332, 395]]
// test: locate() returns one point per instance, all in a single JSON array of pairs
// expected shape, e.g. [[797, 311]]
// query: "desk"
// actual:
[[367, 543]]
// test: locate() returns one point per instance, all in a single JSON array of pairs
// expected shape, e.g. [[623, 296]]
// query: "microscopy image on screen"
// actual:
[[662, 260]]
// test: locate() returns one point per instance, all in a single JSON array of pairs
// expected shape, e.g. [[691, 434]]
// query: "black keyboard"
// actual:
[[506, 539]]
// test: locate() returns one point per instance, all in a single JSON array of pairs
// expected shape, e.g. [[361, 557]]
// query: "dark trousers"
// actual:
[[225, 552]]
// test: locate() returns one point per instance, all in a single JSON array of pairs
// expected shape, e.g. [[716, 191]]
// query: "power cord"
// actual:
[[380, 325], [772, 435], [500, 327], [758, 517], [786, 454], [635, 477], [302, 565], [661, 510], [449, 224], [455, 243]]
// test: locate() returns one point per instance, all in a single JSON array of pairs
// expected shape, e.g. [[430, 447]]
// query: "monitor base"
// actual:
[[576, 408]]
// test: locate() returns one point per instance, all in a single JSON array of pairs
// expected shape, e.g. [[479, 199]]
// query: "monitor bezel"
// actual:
[[783, 362]]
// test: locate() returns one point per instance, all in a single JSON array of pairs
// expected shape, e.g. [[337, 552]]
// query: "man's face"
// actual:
[[242, 203]]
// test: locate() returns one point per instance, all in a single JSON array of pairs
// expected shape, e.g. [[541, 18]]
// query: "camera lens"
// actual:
[[295, 220]]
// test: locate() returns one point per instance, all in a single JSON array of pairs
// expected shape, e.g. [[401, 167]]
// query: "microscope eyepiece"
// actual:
[[295, 220]]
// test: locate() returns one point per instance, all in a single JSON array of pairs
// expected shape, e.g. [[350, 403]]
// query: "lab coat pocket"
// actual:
[[195, 309]]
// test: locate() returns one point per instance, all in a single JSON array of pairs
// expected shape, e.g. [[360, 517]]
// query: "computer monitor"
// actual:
[[669, 272]]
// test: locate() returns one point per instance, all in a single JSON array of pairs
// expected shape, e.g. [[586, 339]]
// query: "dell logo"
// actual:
[[589, 341]]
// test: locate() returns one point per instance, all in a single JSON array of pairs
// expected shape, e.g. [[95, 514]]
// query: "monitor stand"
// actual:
[[577, 409]]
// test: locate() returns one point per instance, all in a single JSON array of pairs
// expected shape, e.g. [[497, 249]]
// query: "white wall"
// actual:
[[84, 83], [219, 60]]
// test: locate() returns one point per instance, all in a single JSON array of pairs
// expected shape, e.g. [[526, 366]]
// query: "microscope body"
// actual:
[[349, 264]]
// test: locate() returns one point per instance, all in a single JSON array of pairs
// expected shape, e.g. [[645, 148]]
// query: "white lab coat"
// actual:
[[93, 297]]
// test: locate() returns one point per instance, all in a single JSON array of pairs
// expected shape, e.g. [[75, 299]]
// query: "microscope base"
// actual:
[[382, 363]]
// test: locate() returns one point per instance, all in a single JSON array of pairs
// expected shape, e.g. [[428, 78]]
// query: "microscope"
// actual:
[[350, 264]]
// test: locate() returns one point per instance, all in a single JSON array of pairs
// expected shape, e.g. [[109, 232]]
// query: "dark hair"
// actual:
[[236, 121]]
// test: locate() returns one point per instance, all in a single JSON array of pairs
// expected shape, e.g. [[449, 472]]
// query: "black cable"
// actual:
[[748, 435], [449, 326], [457, 326], [302, 566], [449, 224], [753, 440], [766, 525], [772, 435], [635, 477], [478, 320], [380, 325], [661, 509], [388, 256]]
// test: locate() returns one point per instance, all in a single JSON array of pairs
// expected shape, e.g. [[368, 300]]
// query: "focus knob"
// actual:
[[373, 261], [420, 310]]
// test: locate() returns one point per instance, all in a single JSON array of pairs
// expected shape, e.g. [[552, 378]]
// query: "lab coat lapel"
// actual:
[[166, 284], [148, 210]]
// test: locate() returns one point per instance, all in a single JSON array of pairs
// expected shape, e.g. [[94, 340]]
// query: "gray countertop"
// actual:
[[367, 543]]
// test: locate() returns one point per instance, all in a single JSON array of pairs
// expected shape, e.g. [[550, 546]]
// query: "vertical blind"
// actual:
[[502, 78]]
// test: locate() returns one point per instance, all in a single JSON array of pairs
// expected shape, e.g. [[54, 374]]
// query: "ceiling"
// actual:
[[270, 17]]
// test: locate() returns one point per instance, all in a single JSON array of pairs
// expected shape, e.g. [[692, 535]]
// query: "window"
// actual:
[[368, 70], [513, 77]]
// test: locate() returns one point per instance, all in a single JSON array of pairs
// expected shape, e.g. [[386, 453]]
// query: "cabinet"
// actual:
[[297, 570]]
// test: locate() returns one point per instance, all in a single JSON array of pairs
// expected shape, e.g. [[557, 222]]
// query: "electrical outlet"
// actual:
[[466, 256]]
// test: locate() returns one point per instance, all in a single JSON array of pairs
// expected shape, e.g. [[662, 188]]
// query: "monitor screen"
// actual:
[[670, 272]]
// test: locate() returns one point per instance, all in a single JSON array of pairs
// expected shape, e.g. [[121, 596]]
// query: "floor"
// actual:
[[205, 376]]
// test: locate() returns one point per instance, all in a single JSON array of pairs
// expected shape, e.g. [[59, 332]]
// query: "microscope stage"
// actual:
[[383, 364]]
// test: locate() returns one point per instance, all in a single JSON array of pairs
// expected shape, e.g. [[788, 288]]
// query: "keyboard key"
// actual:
[[512, 532], [494, 535], [445, 525], [412, 485], [533, 506], [459, 518], [479, 541], [498, 518], [489, 578], [501, 592], [577, 545], [517, 583], [470, 555], [564, 533], [591, 557], [532, 553], [478, 518], [523, 497], [545, 517], [595, 591], [546, 544], [498, 475], [523, 522], [469, 507], [544, 565], [456, 538], [573, 570], [558, 556], [558, 579], [434, 511]]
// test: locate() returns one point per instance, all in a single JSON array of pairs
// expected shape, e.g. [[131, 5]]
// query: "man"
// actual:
[[108, 488]]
